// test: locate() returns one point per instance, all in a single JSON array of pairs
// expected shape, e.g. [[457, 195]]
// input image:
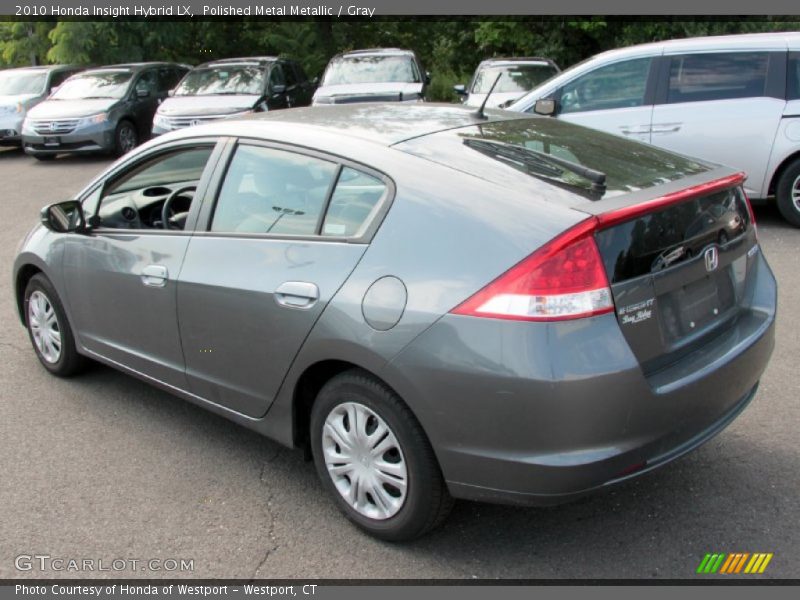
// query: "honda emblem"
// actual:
[[712, 258]]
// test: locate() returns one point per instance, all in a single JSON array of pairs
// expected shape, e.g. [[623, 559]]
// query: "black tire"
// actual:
[[44, 157], [427, 502], [126, 138], [787, 184], [69, 362]]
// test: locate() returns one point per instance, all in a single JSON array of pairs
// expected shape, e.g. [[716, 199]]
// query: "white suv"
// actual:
[[733, 100]]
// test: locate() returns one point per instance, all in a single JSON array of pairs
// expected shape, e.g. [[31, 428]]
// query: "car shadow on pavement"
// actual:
[[727, 495]]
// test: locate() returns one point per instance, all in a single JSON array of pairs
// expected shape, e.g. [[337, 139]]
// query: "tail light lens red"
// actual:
[[564, 279]]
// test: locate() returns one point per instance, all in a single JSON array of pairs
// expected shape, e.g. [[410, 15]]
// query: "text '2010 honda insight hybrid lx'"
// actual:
[[437, 303]]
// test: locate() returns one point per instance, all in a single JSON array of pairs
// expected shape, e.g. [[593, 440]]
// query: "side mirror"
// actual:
[[427, 77], [64, 217], [171, 92], [54, 89], [545, 107], [278, 88], [460, 89], [142, 92]]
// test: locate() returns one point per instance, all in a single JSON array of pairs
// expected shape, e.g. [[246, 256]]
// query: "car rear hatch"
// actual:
[[678, 265]]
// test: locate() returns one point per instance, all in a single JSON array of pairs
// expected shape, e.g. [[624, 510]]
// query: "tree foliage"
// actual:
[[451, 49]]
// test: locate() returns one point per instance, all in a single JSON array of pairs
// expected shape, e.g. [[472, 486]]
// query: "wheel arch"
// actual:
[[23, 275], [779, 171]]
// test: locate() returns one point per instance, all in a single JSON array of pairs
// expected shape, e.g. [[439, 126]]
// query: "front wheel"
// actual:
[[49, 330], [375, 460], [125, 138], [787, 193]]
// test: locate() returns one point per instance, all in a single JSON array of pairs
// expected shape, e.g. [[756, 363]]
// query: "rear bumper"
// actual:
[[10, 127], [539, 413]]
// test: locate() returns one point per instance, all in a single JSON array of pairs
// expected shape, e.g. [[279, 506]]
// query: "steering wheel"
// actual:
[[179, 219]]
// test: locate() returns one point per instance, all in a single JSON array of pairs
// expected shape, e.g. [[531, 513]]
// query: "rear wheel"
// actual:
[[125, 138], [374, 458], [49, 329], [787, 193]]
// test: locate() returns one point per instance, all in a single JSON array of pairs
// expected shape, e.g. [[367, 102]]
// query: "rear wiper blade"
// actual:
[[544, 164]]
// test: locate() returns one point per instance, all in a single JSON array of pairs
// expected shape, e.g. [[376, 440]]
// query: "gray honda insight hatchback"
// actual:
[[435, 303]]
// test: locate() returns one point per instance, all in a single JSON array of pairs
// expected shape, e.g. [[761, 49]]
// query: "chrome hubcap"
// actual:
[[127, 138], [44, 326], [796, 193], [365, 461]]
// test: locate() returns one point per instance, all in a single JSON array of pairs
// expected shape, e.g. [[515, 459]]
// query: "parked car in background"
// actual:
[[517, 77], [109, 109], [22, 89], [435, 304], [376, 75], [734, 100], [235, 86]]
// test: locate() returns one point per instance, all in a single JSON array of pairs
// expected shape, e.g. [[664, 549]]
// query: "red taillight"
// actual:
[[564, 279], [750, 212]]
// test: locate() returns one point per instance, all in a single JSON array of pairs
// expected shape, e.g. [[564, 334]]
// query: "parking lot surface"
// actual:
[[105, 467]]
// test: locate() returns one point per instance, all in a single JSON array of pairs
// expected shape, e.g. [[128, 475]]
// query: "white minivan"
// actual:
[[733, 100]]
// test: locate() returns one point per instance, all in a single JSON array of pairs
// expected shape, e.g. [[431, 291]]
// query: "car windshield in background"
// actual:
[[220, 81], [108, 84], [494, 151], [12, 84], [517, 78], [371, 69]]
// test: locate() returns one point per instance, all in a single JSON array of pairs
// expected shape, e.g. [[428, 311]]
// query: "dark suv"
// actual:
[[109, 109], [231, 87]]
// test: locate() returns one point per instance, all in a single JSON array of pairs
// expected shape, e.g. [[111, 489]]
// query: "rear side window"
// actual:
[[354, 201], [273, 191], [723, 76], [620, 85], [276, 76], [793, 79], [291, 78]]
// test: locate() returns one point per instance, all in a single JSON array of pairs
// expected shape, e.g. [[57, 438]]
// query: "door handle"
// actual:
[[634, 129], [297, 294], [155, 275], [666, 127]]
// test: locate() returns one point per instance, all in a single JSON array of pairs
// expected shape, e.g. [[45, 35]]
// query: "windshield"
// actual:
[[515, 78], [214, 81], [13, 84], [371, 69], [108, 84]]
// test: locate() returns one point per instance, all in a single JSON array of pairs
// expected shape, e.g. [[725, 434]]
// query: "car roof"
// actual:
[[746, 41], [43, 68], [512, 60], [245, 60], [134, 67], [382, 123], [377, 52]]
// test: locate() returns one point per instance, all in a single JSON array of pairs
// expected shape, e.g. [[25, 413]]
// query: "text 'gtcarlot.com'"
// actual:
[[45, 562]]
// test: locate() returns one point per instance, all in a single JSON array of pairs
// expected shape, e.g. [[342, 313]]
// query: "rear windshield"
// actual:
[[371, 69], [513, 78], [515, 151], [220, 81]]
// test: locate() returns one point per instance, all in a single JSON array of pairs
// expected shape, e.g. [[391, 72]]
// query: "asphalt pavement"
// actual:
[[104, 467]]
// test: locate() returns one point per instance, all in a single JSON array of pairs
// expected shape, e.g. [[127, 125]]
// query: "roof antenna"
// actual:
[[479, 113]]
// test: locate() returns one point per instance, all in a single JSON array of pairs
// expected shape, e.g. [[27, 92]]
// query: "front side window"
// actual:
[[371, 69], [620, 85], [276, 76], [135, 198], [272, 191], [702, 77], [513, 78], [222, 80]]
